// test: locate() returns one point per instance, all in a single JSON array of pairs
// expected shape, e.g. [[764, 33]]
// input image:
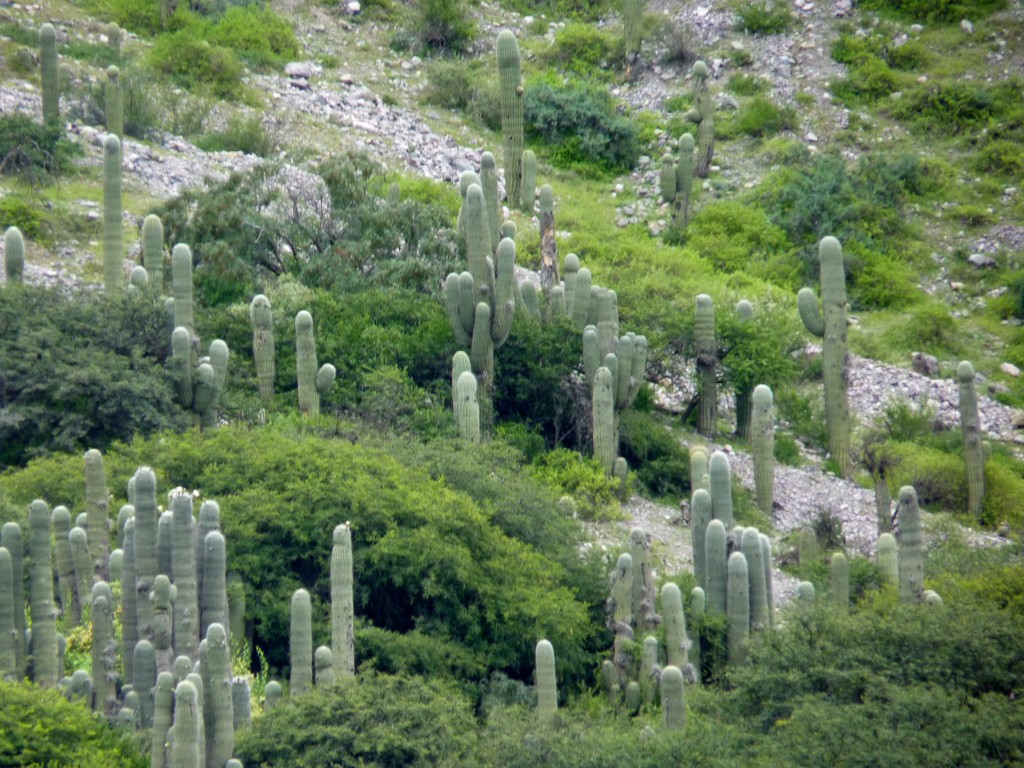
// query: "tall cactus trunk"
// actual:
[[974, 452], [342, 603], [511, 95], [113, 213]]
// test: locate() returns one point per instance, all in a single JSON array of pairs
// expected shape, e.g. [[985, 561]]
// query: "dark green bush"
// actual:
[[654, 454], [764, 17], [948, 11], [740, 238], [584, 49], [241, 134], [1002, 157], [946, 109], [194, 63], [31, 150], [139, 105], [858, 50], [442, 26], [869, 81], [761, 117], [256, 34], [19, 212]]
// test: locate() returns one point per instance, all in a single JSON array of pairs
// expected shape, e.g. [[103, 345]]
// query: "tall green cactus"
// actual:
[[146, 517], [8, 632], [60, 521], [829, 324], [888, 559], [703, 116], [241, 704], [181, 286], [698, 467], [153, 251], [214, 606], [187, 747], [262, 318], [467, 407], [186, 602], [44, 620], [698, 605], [113, 109], [677, 181], [162, 622], [313, 381], [144, 679], [673, 701], [677, 643], [839, 576], [199, 387], [750, 545], [766, 556], [489, 185], [649, 670], [720, 474], [529, 189], [14, 255], [807, 545], [974, 451], [163, 712], [97, 501], [603, 408], [511, 94], [220, 736], [547, 686], [104, 651], [323, 667], [715, 565], [707, 364], [113, 214], [207, 522], [301, 643], [49, 80], [762, 447], [82, 564], [738, 608], [164, 539], [700, 516], [911, 546], [632, 18], [342, 602]]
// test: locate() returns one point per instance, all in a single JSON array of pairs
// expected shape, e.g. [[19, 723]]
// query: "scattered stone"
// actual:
[[352, 8], [967, 26], [926, 365], [299, 69], [1010, 369], [811, 137], [981, 261]]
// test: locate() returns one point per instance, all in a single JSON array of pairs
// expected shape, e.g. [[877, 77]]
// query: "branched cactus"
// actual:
[[707, 365], [301, 643], [313, 381], [113, 106], [529, 190], [547, 687], [839, 575], [342, 602], [703, 116], [467, 408], [220, 737], [715, 541], [677, 181], [262, 318], [49, 79], [762, 447], [830, 325], [974, 451], [14, 255], [511, 95], [673, 702], [911, 546], [625, 360], [113, 213], [738, 608], [888, 559]]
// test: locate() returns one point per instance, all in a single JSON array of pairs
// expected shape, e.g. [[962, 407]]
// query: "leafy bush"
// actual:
[[584, 49], [740, 238], [465, 86], [746, 85], [18, 212], [949, 11], [195, 64], [869, 81], [1001, 156], [256, 34], [654, 454], [581, 478], [39, 727], [442, 26], [946, 109], [764, 17], [138, 102], [858, 50], [937, 476], [31, 150], [761, 117], [578, 126], [241, 134]]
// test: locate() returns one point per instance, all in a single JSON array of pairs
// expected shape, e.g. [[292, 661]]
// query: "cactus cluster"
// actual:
[[313, 381], [677, 180], [703, 116], [574, 298]]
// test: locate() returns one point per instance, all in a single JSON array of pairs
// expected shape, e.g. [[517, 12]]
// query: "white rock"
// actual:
[[1010, 369], [967, 26]]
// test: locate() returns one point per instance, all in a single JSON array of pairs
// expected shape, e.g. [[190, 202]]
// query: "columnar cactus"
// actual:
[[752, 550], [181, 286], [79, 543], [163, 709], [489, 185], [766, 556], [146, 517], [144, 679], [273, 694], [44, 622], [549, 277], [236, 619], [642, 598], [698, 467], [60, 521], [677, 181], [673, 702], [187, 749], [214, 607], [650, 670], [113, 213], [152, 238], [621, 614], [241, 703], [220, 737], [805, 594], [104, 651], [911, 546], [262, 318], [620, 472], [112, 106], [703, 116], [829, 324], [114, 35], [625, 359], [743, 391], [196, 679], [467, 408], [14, 255], [529, 190], [207, 522], [323, 667], [974, 452], [762, 447], [162, 622], [547, 686], [603, 408], [164, 542], [97, 501], [511, 94], [738, 608], [138, 282], [342, 603], [186, 601], [301, 643], [715, 566], [807, 544], [677, 644], [698, 604], [888, 559], [700, 516], [313, 381], [49, 79], [707, 364], [199, 387], [8, 632], [839, 574], [632, 18], [720, 474]]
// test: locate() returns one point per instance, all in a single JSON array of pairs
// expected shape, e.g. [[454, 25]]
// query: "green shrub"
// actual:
[[581, 478], [927, 327], [584, 49], [937, 476], [441, 26], [946, 109], [867, 82], [654, 454], [31, 150], [882, 281], [18, 212], [39, 727], [138, 102], [746, 85], [948, 11], [740, 238], [256, 34], [859, 50], [241, 134], [787, 450], [764, 17], [195, 64], [1001, 156]]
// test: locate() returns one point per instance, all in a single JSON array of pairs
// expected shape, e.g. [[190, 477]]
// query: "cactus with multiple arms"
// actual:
[[974, 451], [113, 213], [342, 605], [707, 364], [511, 95], [49, 79], [762, 445], [14, 255], [703, 116]]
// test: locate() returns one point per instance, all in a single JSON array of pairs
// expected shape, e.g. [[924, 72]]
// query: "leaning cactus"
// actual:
[[529, 191], [342, 605], [738, 608], [762, 447], [113, 213], [839, 573], [313, 381], [829, 324], [888, 559], [974, 452], [467, 408], [673, 703], [703, 115], [113, 109], [14, 255], [220, 737], [49, 79], [511, 94], [301, 643], [262, 319], [707, 364], [911, 546], [547, 687]]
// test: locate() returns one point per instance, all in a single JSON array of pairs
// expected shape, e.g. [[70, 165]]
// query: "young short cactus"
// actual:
[[49, 80], [301, 643], [273, 695], [970, 426], [762, 447], [707, 364], [511, 94], [911, 546], [14, 255], [807, 545], [323, 667], [113, 109], [698, 467], [241, 703], [342, 603], [673, 702], [683, 181], [313, 381], [262, 318], [113, 213], [839, 574], [703, 116], [829, 324], [547, 687], [805, 594], [738, 608], [529, 190], [467, 408], [888, 559]]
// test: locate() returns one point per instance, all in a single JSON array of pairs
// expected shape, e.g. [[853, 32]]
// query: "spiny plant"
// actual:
[[529, 190], [974, 451], [49, 79], [14, 255], [342, 605], [301, 643], [703, 116], [762, 447], [548, 245], [738, 608], [707, 365], [911, 546], [262, 318], [313, 381], [677, 181], [153, 251], [113, 109], [467, 408], [511, 95], [547, 687], [489, 184], [632, 18], [113, 213]]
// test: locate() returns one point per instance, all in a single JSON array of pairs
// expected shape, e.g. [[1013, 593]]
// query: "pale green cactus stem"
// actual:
[[186, 602], [113, 214], [603, 399], [529, 191], [187, 749], [744, 392], [114, 35], [621, 616], [207, 522], [138, 282], [60, 521], [144, 679], [707, 364], [196, 678], [974, 450], [762, 447], [162, 622], [703, 115], [578, 307], [241, 703], [14, 255], [591, 354], [313, 382], [301, 644], [931, 597], [220, 741], [610, 680], [830, 325], [489, 185], [698, 604], [750, 545], [807, 545], [632, 24], [684, 181], [146, 520], [273, 694], [44, 619], [466, 180], [700, 516], [720, 474], [839, 576], [715, 565], [323, 667], [182, 668], [181, 286], [97, 501], [766, 557], [510, 91], [632, 698], [698, 466], [738, 608], [163, 712], [467, 408], [460, 365], [607, 322], [620, 471], [113, 109], [673, 701], [805, 594], [262, 318], [677, 643], [547, 686], [342, 601], [214, 609], [649, 670], [49, 80], [8, 632], [911, 546], [888, 559], [164, 537], [129, 606], [642, 597], [104, 652]]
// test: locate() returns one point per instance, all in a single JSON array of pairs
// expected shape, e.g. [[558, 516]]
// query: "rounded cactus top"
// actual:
[[260, 312], [342, 534], [487, 162], [506, 250], [111, 144], [508, 48], [701, 496], [737, 561], [61, 516], [303, 322], [545, 647], [625, 562], [697, 598], [185, 695], [161, 591], [164, 681], [716, 528], [547, 198], [704, 302], [47, 33], [686, 142], [908, 495], [508, 229], [214, 541], [300, 597], [700, 69], [805, 589], [13, 236], [323, 657], [886, 542], [102, 589], [152, 223], [466, 383], [144, 646], [145, 481], [77, 535], [965, 372], [718, 462], [113, 72], [571, 263], [762, 395], [744, 309], [829, 249], [180, 252], [466, 180], [209, 513], [672, 676], [38, 514], [670, 591], [215, 635]]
